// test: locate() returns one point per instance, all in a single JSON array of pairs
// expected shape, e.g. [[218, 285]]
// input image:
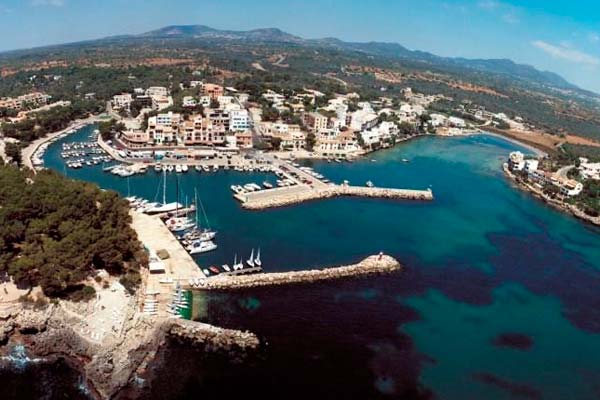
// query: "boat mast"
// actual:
[[164, 187]]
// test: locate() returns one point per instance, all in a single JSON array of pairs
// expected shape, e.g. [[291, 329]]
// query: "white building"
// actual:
[[239, 120], [457, 122], [438, 120], [157, 91], [516, 161], [189, 101], [589, 170], [531, 165], [122, 101], [363, 119]]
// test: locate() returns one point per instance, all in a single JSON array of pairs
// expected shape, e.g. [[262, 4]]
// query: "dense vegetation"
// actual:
[[43, 122], [56, 232]]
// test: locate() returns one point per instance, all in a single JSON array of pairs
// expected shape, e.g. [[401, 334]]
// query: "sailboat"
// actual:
[[206, 233], [257, 260], [237, 265], [164, 207], [250, 261]]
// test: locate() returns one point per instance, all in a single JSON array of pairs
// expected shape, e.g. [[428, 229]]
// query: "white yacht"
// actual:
[[201, 247], [184, 168]]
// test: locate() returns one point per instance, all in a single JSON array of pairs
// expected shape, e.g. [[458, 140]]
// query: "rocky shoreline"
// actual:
[[370, 265], [47, 333], [557, 204], [335, 191], [129, 354]]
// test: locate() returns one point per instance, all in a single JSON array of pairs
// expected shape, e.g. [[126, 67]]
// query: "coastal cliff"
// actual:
[[47, 334]]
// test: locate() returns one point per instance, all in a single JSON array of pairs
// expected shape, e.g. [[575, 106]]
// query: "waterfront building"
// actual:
[[456, 122], [516, 161], [244, 139], [164, 128], [363, 120], [531, 165], [437, 120]]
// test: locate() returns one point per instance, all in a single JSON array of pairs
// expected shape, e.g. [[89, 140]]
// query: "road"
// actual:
[[564, 171]]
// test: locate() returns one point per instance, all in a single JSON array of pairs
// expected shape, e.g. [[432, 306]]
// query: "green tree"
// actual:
[[311, 140], [13, 151]]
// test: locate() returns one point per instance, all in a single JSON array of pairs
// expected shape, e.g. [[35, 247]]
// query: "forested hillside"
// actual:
[[56, 232]]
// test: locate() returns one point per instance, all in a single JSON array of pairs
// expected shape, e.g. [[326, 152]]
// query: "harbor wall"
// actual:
[[370, 265], [282, 199]]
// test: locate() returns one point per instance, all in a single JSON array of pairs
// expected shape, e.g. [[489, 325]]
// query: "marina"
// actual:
[[455, 270]]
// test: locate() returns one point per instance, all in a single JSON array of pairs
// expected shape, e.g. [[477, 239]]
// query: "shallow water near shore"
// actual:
[[498, 299]]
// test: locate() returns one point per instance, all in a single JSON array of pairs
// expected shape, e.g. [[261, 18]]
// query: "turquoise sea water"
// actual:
[[499, 297]]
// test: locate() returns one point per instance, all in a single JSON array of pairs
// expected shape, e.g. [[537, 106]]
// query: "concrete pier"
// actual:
[[286, 196], [178, 267], [371, 265]]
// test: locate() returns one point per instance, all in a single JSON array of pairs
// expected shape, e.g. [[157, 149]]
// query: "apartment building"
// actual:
[[239, 120], [34, 99], [315, 121], [122, 101], [212, 90], [164, 128]]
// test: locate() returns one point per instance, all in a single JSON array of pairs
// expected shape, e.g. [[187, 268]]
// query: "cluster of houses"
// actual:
[[30, 100], [567, 187], [341, 126], [225, 122]]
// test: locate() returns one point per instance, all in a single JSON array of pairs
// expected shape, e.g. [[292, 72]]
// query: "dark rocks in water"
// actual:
[[515, 389], [514, 340]]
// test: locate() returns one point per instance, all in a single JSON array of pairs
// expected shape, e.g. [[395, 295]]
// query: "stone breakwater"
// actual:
[[286, 199], [212, 338], [370, 265]]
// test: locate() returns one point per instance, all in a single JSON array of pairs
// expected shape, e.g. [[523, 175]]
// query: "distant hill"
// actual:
[[206, 32], [391, 50]]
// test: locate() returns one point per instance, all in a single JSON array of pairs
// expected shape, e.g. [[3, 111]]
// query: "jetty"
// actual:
[[177, 266], [376, 264], [281, 197]]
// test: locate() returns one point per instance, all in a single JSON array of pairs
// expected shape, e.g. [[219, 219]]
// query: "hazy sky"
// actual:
[[560, 36]]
